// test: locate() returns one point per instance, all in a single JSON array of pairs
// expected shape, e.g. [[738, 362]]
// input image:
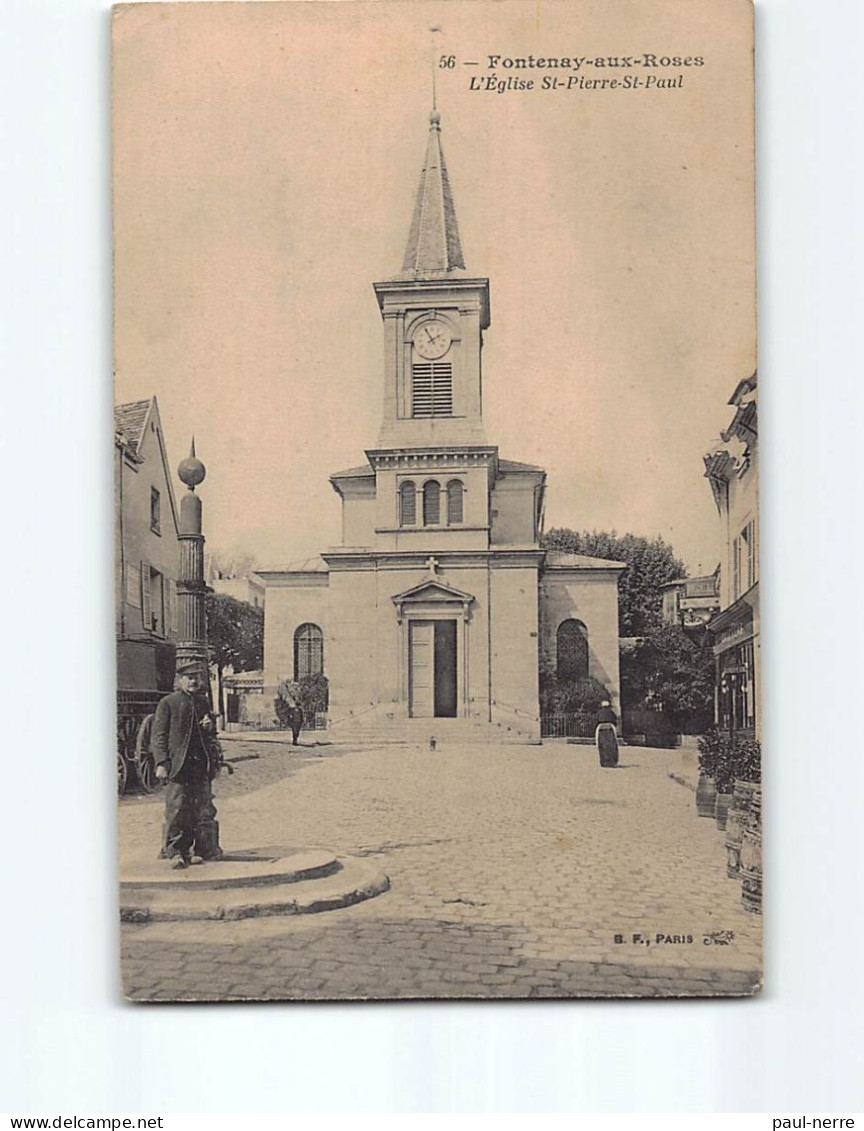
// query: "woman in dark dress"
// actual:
[[606, 735]]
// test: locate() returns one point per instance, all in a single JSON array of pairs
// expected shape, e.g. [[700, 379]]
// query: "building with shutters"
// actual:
[[438, 608], [732, 470], [147, 551], [690, 602]]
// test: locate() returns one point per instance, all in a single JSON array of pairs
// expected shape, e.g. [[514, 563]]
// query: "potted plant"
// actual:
[[748, 775], [706, 791], [724, 778]]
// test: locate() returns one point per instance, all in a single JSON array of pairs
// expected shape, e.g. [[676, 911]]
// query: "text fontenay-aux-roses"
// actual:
[[652, 64]]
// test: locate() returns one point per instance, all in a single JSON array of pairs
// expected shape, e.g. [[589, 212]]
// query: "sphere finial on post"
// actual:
[[191, 470]]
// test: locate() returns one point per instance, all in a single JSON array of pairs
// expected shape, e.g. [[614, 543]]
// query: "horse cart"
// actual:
[[145, 673]]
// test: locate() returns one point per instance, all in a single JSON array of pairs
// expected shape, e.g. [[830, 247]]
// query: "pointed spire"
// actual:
[[434, 248], [192, 449]]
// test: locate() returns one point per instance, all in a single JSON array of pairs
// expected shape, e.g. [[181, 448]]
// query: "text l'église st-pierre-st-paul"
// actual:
[[584, 72]]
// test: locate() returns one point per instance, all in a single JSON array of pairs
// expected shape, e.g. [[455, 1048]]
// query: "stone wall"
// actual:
[[591, 597], [514, 641], [286, 608]]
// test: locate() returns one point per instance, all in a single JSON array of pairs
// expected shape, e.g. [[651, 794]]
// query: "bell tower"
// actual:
[[434, 315]]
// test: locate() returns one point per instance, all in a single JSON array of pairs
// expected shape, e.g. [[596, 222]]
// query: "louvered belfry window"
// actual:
[[455, 493], [407, 504], [432, 388], [431, 503]]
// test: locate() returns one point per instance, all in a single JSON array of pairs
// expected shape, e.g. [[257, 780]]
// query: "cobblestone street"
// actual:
[[513, 869]]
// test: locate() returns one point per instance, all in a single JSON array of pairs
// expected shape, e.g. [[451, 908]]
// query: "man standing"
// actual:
[[184, 755], [293, 713]]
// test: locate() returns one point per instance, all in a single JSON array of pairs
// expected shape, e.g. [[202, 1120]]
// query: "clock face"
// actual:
[[432, 340]]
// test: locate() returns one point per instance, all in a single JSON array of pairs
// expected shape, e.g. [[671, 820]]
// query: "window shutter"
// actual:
[[431, 503], [407, 504], [133, 586], [454, 502], [168, 590], [442, 391], [146, 611], [422, 393], [160, 604], [432, 388]]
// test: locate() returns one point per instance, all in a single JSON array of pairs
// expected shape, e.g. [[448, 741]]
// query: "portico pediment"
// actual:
[[432, 593]]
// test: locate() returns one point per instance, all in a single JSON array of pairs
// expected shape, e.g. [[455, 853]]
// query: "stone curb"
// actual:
[[306, 897], [231, 872]]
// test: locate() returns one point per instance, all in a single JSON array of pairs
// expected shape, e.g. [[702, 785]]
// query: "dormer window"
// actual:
[[407, 504]]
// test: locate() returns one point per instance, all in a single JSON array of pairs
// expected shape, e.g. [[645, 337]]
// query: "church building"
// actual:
[[437, 612]]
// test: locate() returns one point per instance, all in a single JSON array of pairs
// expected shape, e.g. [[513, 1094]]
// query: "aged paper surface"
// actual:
[[458, 585]]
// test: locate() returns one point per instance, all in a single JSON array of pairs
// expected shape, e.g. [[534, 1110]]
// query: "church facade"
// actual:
[[440, 607]]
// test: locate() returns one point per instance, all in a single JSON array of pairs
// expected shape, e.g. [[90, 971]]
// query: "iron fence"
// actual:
[[575, 725]]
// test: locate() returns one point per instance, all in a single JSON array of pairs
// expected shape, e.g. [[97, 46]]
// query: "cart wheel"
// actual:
[[125, 751], [144, 762]]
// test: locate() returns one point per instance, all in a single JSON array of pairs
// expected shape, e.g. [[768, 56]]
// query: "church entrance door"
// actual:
[[432, 669], [445, 669]]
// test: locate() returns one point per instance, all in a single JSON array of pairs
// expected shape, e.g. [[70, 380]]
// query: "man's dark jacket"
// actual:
[[178, 718]]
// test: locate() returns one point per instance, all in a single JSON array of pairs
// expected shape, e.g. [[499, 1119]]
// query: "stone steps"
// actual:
[[243, 885], [420, 731]]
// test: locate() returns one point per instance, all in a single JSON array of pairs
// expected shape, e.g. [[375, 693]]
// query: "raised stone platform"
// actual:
[[244, 884], [446, 732]]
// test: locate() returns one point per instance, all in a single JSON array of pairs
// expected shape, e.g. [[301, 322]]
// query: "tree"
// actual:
[[669, 671], [310, 693], [230, 563], [650, 563], [235, 636], [563, 696]]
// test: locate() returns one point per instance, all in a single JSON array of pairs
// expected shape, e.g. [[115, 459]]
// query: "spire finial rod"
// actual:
[[435, 29]]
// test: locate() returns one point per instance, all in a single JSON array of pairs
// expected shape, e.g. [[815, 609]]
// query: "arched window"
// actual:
[[407, 504], [308, 651], [572, 650], [455, 493], [431, 503]]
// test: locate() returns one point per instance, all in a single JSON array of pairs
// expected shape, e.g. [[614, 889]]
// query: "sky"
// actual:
[[266, 157]]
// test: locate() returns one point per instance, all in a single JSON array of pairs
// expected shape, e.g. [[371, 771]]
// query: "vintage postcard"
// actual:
[[437, 541]]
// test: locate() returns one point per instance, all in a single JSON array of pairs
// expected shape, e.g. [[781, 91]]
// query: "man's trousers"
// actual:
[[188, 804]]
